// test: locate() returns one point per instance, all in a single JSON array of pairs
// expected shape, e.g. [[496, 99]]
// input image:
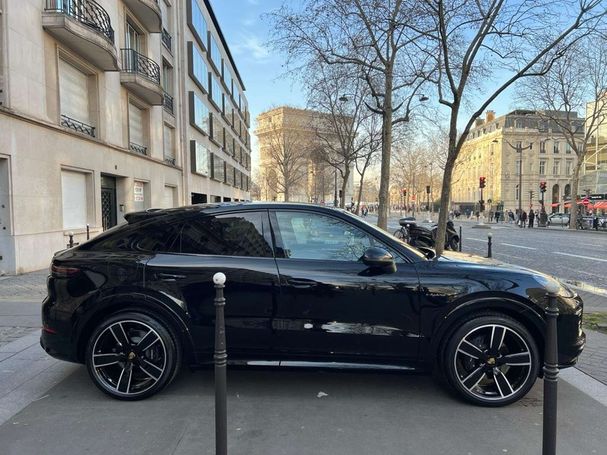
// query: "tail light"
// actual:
[[60, 271]]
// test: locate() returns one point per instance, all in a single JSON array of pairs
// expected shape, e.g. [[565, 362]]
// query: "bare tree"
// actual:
[[338, 99], [478, 40], [375, 38], [286, 160], [575, 85], [367, 156]]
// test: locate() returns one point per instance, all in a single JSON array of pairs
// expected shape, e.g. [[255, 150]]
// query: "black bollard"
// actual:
[[71, 236], [551, 371], [489, 244], [88, 232], [221, 360], [460, 239]]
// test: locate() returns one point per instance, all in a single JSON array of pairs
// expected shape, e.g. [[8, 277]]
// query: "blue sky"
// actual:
[[247, 33]]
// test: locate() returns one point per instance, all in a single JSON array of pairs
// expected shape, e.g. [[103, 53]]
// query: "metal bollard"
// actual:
[[88, 232], [71, 236], [460, 239], [221, 360], [489, 244], [551, 371]]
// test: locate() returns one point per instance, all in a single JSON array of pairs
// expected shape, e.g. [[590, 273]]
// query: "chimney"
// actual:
[[490, 116], [478, 122]]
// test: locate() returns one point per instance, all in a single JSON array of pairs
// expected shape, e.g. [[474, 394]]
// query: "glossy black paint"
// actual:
[[298, 309]]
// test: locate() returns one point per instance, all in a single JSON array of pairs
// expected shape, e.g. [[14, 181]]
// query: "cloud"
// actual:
[[251, 45], [253, 2]]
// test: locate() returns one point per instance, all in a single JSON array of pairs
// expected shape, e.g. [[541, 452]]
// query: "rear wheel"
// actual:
[[131, 356], [491, 360], [399, 234], [453, 244]]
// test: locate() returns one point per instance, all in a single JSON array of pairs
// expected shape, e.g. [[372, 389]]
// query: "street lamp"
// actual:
[[519, 149]]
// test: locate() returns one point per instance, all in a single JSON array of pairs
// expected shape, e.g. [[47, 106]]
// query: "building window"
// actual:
[[169, 145], [137, 136], [170, 197], [556, 167], [517, 168], [229, 175], [542, 146], [74, 98], [215, 53], [227, 79], [517, 193], [569, 167], [74, 197], [556, 147], [542, 167], [216, 93], [568, 148], [197, 22], [199, 114], [218, 168], [133, 37], [201, 160], [197, 67], [216, 129], [167, 77]]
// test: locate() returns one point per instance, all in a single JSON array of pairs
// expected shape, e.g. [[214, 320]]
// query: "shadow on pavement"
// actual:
[[277, 411]]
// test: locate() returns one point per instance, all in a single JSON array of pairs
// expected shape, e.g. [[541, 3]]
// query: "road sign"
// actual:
[[585, 201]]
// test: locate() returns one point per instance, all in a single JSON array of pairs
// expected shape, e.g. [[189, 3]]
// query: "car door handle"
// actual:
[[301, 283], [170, 276]]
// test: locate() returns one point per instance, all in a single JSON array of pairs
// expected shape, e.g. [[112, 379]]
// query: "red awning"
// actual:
[[568, 205], [555, 204], [601, 205]]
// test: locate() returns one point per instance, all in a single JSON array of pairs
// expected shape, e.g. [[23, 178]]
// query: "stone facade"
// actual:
[[491, 152], [97, 118], [298, 129]]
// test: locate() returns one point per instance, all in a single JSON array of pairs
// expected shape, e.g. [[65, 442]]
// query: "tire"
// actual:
[[491, 360], [132, 356], [453, 244], [399, 234]]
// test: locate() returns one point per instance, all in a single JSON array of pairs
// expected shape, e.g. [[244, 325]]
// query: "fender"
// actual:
[[153, 304], [509, 304]]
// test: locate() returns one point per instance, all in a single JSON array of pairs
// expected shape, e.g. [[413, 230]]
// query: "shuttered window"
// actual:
[[73, 193], [169, 197], [73, 92], [136, 125], [169, 150]]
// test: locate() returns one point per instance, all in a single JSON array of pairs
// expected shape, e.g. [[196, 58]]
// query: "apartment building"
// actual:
[[494, 150], [111, 106]]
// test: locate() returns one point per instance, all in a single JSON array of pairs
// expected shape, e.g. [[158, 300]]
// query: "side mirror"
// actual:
[[375, 257]]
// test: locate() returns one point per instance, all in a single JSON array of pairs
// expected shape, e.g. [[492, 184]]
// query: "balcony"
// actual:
[[167, 103], [148, 13], [77, 126], [141, 149], [170, 160], [141, 76], [85, 27], [167, 39]]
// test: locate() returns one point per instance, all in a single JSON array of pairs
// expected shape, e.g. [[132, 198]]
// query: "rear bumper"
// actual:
[[56, 335]]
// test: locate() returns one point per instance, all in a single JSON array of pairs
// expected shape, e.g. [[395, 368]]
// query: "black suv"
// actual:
[[306, 285]]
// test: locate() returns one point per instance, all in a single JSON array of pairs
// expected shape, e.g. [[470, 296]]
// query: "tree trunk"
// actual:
[[575, 181], [344, 184], [386, 153], [360, 189]]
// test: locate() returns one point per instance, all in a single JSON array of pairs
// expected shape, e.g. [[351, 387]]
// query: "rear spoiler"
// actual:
[[134, 217]]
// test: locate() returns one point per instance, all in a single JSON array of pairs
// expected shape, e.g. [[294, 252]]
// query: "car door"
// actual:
[[330, 303], [238, 244]]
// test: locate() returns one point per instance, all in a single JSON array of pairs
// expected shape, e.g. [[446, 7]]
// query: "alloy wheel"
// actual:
[[129, 357], [493, 362]]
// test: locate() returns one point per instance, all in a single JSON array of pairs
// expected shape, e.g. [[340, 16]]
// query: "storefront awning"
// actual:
[[601, 205], [555, 204]]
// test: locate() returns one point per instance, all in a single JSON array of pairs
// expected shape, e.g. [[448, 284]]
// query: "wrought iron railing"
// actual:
[[166, 38], [77, 125], [87, 12], [170, 159], [134, 62], [141, 149], [167, 102]]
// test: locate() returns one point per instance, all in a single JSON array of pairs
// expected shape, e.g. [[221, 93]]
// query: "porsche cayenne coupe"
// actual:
[[306, 286]]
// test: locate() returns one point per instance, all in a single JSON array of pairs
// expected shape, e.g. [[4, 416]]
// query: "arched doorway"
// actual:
[[555, 198], [567, 195]]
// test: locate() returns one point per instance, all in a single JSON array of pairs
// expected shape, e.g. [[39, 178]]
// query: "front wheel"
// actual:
[[491, 360], [131, 356]]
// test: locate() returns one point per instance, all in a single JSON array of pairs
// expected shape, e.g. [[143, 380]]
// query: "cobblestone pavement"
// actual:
[[593, 360], [10, 334], [29, 286]]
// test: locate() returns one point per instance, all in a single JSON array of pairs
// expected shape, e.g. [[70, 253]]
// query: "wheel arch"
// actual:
[[143, 303], [510, 306]]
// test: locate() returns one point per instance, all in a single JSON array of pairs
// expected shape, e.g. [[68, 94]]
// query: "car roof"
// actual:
[[133, 217]]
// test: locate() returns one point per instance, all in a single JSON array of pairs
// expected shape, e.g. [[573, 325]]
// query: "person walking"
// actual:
[[523, 219], [531, 218]]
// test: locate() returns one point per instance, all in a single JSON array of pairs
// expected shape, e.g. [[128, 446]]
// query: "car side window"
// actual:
[[149, 237], [315, 236], [234, 234]]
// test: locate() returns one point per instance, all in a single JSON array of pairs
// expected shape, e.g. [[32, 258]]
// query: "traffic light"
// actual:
[[404, 193], [482, 182], [543, 186], [427, 189]]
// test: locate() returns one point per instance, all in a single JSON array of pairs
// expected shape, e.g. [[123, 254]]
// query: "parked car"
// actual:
[[558, 219], [314, 285]]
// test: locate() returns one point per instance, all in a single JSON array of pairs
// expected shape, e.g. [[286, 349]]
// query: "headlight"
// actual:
[[564, 290]]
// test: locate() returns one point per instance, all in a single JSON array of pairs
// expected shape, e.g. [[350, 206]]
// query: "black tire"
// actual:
[[453, 244], [483, 375], [138, 346], [399, 234]]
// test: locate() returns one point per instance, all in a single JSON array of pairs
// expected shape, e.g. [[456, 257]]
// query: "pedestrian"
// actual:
[[478, 214], [523, 219], [531, 218], [497, 216], [491, 216]]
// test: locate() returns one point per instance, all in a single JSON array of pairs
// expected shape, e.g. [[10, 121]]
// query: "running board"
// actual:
[[330, 365]]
